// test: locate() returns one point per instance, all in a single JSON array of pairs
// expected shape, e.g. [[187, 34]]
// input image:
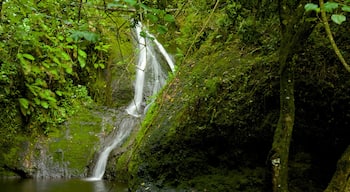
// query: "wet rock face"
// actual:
[[64, 153], [38, 162]]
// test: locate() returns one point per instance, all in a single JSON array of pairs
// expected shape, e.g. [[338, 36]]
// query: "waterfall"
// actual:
[[149, 73], [150, 78]]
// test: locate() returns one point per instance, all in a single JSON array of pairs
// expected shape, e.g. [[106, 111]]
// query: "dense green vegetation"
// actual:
[[259, 99]]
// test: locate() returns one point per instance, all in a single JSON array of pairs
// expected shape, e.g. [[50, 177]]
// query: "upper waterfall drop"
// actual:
[[150, 78]]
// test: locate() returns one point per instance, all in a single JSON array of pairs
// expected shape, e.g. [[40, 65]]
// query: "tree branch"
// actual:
[[330, 36]]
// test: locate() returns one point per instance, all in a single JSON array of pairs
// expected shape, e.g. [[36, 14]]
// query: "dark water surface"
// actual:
[[54, 185]]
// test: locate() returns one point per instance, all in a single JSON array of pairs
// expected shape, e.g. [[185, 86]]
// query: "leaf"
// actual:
[[28, 56], [24, 103], [346, 8], [65, 56], [82, 61], [82, 53], [162, 29], [56, 60], [338, 19], [330, 6], [311, 7], [169, 18], [69, 70], [60, 37], [37, 101], [131, 2], [152, 17], [90, 36], [44, 104], [59, 93]]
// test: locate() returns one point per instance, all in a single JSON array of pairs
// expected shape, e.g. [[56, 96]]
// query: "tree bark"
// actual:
[[294, 32], [341, 177]]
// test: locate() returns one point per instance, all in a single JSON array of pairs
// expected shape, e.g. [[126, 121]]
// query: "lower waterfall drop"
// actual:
[[150, 78]]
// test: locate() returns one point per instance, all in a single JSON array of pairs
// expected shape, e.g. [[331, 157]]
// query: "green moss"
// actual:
[[76, 143]]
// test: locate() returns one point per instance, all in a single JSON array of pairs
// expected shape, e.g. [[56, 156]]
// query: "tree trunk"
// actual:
[[294, 32], [341, 177], [283, 132]]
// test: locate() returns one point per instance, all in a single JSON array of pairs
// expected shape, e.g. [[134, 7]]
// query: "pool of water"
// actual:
[[54, 185]]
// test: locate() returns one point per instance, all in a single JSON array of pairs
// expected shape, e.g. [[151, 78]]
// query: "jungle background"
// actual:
[[258, 89]]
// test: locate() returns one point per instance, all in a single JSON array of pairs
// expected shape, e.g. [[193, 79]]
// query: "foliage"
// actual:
[[50, 54], [338, 10]]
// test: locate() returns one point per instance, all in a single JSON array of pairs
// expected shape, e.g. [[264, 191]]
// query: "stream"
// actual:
[[59, 185]]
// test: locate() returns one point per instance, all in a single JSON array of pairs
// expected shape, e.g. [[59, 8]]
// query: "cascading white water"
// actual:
[[148, 64], [124, 129], [150, 78]]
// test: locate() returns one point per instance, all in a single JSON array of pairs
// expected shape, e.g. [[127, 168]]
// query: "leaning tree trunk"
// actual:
[[341, 177], [294, 32]]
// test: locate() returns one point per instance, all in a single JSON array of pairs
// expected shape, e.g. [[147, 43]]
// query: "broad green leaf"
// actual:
[[330, 6], [24, 103], [95, 65], [346, 8], [102, 66], [82, 61], [338, 19], [28, 56], [169, 18], [82, 53], [311, 7]]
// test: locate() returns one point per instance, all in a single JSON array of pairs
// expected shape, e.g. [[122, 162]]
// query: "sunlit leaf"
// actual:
[[28, 56], [338, 19], [56, 60], [69, 70], [311, 7], [60, 37], [65, 56], [330, 6], [82, 61], [44, 104], [37, 101], [59, 93], [82, 53], [24, 103]]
